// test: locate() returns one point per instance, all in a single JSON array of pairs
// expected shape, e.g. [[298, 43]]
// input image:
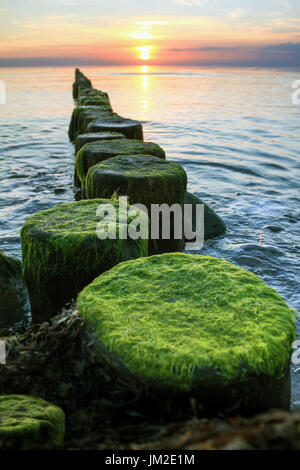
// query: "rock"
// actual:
[[96, 152], [273, 228], [130, 128], [83, 139], [189, 326], [145, 180], [30, 423], [13, 292], [213, 224], [61, 253]]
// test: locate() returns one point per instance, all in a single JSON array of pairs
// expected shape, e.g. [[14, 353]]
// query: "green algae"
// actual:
[[130, 128], [13, 292], [30, 422], [9, 266], [143, 178], [82, 116], [83, 139], [170, 316], [88, 119], [81, 83], [92, 96], [96, 152], [61, 253]]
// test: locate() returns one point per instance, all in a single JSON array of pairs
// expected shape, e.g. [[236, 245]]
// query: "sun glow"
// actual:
[[142, 35], [145, 52]]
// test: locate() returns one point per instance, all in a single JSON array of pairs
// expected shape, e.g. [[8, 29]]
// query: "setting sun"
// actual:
[[145, 52]]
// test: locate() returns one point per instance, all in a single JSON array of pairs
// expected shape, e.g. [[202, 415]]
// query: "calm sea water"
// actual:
[[235, 131]]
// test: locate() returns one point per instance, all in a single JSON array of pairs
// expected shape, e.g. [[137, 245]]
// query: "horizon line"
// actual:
[[130, 64]]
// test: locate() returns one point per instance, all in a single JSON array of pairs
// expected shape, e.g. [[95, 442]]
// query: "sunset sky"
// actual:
[[155, 32]]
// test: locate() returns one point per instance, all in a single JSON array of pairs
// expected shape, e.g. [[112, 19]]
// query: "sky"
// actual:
[[153, 32]]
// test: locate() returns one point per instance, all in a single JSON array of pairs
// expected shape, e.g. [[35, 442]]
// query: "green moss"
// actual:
[[102, 119], [83, 139], [168, 317], [30, 422], [83, 115], [96, 152], [129, 128], [93, 97], [13, 292], [9, 266], [80, 84], [145, 180], [61, 253]]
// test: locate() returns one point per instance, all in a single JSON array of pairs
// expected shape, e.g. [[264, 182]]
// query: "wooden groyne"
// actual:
[[181, 333], [138, 305]]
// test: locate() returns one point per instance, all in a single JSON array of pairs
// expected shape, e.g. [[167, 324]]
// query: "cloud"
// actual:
[[293, 47], [274, 55], [237, 13], [191, 3], [206, 49], [287, 47]]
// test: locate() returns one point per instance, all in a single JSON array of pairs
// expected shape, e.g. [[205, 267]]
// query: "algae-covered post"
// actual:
[[83, 139], [94, 113], [30, 423], [130, 128], [83, 115], [91, 119], [81, 82], [190, 326], [14, 300], [97, 152], [61, 253], [145, 180]]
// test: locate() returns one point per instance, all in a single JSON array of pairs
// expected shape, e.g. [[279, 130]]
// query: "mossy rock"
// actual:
[[194, 326], [13, 292], [145, 180], [83, 139], [61, 253], [129, 128], [30, 423], [213, 224], [93, 153], [82, 116]]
